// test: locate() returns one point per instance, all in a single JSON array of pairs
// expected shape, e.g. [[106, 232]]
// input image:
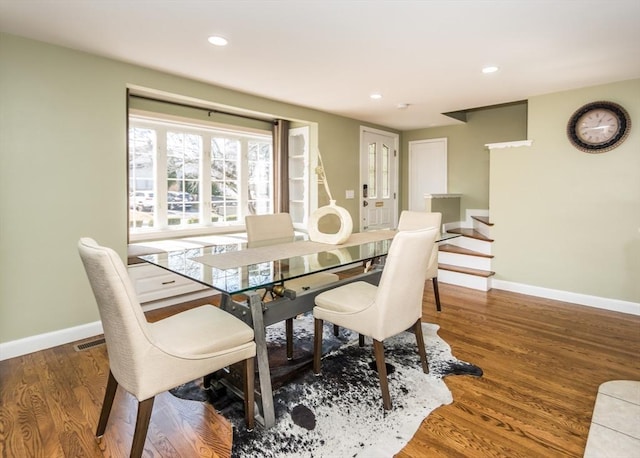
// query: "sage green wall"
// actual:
[[564, 219], [467, 157], [63, 171]]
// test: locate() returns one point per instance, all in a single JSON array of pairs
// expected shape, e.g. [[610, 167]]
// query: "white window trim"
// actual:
[[153, 120]]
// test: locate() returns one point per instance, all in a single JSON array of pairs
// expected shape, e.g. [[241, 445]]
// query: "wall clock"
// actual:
[[598, 127]]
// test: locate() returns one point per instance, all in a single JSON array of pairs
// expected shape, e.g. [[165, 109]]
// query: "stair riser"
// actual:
[[469, 243], [463, 260], [482, 228], [466, 280]]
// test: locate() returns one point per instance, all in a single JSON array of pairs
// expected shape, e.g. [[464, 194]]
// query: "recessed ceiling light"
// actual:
[[218, 41], [490, 69], [376, 96]]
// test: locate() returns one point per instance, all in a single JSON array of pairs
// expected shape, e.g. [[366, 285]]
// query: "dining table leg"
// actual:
[[264, 373], [254, 305]]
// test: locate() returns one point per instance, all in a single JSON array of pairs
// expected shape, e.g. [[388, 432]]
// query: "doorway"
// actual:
[[378, 179], [427, 170]]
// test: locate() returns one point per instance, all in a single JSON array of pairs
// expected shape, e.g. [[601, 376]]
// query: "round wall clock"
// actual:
[[598, 127]]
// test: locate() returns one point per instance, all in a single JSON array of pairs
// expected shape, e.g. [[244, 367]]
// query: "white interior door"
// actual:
[[378, 179], [427, 170]]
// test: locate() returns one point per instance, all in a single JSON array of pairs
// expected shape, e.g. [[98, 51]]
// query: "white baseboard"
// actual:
[[47, 340], [614, 305]]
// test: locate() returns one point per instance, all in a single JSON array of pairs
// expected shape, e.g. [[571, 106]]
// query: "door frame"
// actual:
[[395, 176]]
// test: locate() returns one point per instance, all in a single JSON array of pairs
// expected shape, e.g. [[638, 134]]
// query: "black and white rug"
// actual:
[[340, 413]]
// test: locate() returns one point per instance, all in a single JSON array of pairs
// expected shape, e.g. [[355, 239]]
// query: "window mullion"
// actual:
[[161, 180], [243, 180], [205, 181]]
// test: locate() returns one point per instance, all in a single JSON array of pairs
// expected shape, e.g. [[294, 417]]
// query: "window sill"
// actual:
[[143, 248], [179, 232]]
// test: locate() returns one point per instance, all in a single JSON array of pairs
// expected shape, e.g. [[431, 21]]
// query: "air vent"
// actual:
[[90, 344]]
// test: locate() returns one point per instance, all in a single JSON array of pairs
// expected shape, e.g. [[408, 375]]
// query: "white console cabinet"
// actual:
[[157, 287]]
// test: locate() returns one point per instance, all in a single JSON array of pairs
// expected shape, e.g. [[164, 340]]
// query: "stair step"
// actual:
[[483, 220], [466, 270], [448, 248], [471, 233]]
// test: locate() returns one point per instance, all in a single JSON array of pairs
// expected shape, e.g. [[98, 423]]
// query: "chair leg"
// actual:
[[336, 330], [317, 345], [417, 330], [436, 293], [378, 349], [142, 425], [109, 395], [249, 392], [289, 332], [360, 340]]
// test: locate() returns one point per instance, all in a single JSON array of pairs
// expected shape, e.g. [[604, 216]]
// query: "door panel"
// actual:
[[378, 180], [427, 170]]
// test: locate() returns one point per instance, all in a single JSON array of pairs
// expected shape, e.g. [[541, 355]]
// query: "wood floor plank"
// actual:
[[213, 431], [58, 382], [18, 430]]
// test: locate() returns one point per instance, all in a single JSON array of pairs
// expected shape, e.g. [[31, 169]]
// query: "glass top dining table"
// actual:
[[234, 268]]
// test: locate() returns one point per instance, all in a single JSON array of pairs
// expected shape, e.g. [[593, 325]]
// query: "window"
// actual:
[[184, 177], [386, 156], [373, 174]]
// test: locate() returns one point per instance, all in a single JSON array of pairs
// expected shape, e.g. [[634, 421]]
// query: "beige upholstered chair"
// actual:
[[269, 227], [382, 311], [411, 220], [262, 228], [148, 358]]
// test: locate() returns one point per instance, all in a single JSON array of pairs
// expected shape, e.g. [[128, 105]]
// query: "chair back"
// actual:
[[269, 227], [123, 321], [399, 296], [412, 220]]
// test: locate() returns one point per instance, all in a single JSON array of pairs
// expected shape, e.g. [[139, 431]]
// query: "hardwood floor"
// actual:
[[543, 362]]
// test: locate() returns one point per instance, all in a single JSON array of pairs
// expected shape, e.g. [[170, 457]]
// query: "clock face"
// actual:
[[598, 127]]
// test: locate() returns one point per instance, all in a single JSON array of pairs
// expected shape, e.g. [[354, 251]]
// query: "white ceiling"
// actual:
[[331, 54]]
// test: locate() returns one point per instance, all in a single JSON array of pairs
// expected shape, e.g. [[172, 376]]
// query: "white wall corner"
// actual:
[[614, 305], [39, 342]]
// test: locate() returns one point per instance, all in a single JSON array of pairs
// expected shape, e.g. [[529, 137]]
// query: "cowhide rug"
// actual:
[[339, 413]]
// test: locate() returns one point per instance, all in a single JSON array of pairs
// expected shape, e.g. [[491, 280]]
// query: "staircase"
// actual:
[[466, 260]]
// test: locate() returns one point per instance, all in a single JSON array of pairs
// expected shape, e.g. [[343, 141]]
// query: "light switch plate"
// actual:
[[349, 194]]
